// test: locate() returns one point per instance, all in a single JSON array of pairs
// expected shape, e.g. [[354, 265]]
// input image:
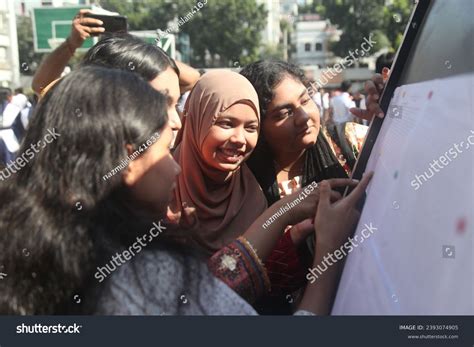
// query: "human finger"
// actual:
[[324, 196], [91, 22], [362, 114], [83, 11], [373, 108], [385, 74], [96, 30], [335, 196], [370, 88], [377, 79], [359, 191], [341, 182]]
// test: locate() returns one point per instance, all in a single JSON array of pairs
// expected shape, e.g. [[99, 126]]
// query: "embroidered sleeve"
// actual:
[[239, 266], [355, 134], [286, 267]]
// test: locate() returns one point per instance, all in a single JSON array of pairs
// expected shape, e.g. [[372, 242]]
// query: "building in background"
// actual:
[[271, 33], [311, 38], [288, 9], [9, 61], [24, 7]]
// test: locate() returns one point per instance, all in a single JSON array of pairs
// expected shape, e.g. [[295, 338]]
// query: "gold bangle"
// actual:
[[254, 253]]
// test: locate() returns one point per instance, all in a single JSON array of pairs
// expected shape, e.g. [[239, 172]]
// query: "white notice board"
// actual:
[[421, 200]]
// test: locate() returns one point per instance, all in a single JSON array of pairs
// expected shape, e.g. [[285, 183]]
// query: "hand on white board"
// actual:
[[335, 221], [301, 231], [373, 89], [307, 206]]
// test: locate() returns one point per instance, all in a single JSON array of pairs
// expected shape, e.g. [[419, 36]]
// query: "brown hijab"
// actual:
[[224, 210]]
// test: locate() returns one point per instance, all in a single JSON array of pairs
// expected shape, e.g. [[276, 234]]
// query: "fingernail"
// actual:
[[380, 115], [101, 23], [376, 97]]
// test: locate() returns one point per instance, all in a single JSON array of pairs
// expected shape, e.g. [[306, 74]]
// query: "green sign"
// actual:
[[52, 25], [167, 43]]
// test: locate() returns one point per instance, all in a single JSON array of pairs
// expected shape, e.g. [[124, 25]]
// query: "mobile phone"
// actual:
[[112, 24]]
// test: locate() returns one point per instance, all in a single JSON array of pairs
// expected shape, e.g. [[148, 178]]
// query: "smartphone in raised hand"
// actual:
[[112, 24]]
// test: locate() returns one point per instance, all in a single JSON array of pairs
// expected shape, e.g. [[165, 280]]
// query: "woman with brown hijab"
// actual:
[[220, 131], [222, 125]]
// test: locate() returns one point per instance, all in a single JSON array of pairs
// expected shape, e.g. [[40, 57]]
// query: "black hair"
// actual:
[[128, 52], [5, 93], [56, 211], [265, 75], [320, 161], [346, 85], [384, 60]]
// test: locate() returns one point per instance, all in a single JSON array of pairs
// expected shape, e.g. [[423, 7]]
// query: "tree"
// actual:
[[272, 52], [225, 31], [144, 14], [396, 18], [358, 19], [29, 60], [228, 29]]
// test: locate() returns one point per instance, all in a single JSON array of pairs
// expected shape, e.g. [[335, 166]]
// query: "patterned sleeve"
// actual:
[[239, 266], [286, 267], [355, 134]]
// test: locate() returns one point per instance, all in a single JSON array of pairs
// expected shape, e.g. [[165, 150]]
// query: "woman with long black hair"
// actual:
[[291, 140], [126, 52], [49, 207], [130, 53], [292, 151]]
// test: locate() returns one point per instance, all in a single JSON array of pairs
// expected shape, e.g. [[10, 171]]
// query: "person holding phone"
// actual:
[[120, 51], [54, 64], [82, 28]]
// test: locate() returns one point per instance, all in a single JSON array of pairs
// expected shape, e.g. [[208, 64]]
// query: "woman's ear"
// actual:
[[133, 170]]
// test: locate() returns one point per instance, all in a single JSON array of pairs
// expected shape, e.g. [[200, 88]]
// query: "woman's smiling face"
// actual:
[[292, 120], [231, 138]]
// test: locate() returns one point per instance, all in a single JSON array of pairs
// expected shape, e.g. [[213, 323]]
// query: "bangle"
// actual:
[[68, 45], [238, 266], [253, 252]]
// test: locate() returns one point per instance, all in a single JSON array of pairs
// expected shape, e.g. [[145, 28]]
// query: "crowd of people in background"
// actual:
[[237, 149]]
